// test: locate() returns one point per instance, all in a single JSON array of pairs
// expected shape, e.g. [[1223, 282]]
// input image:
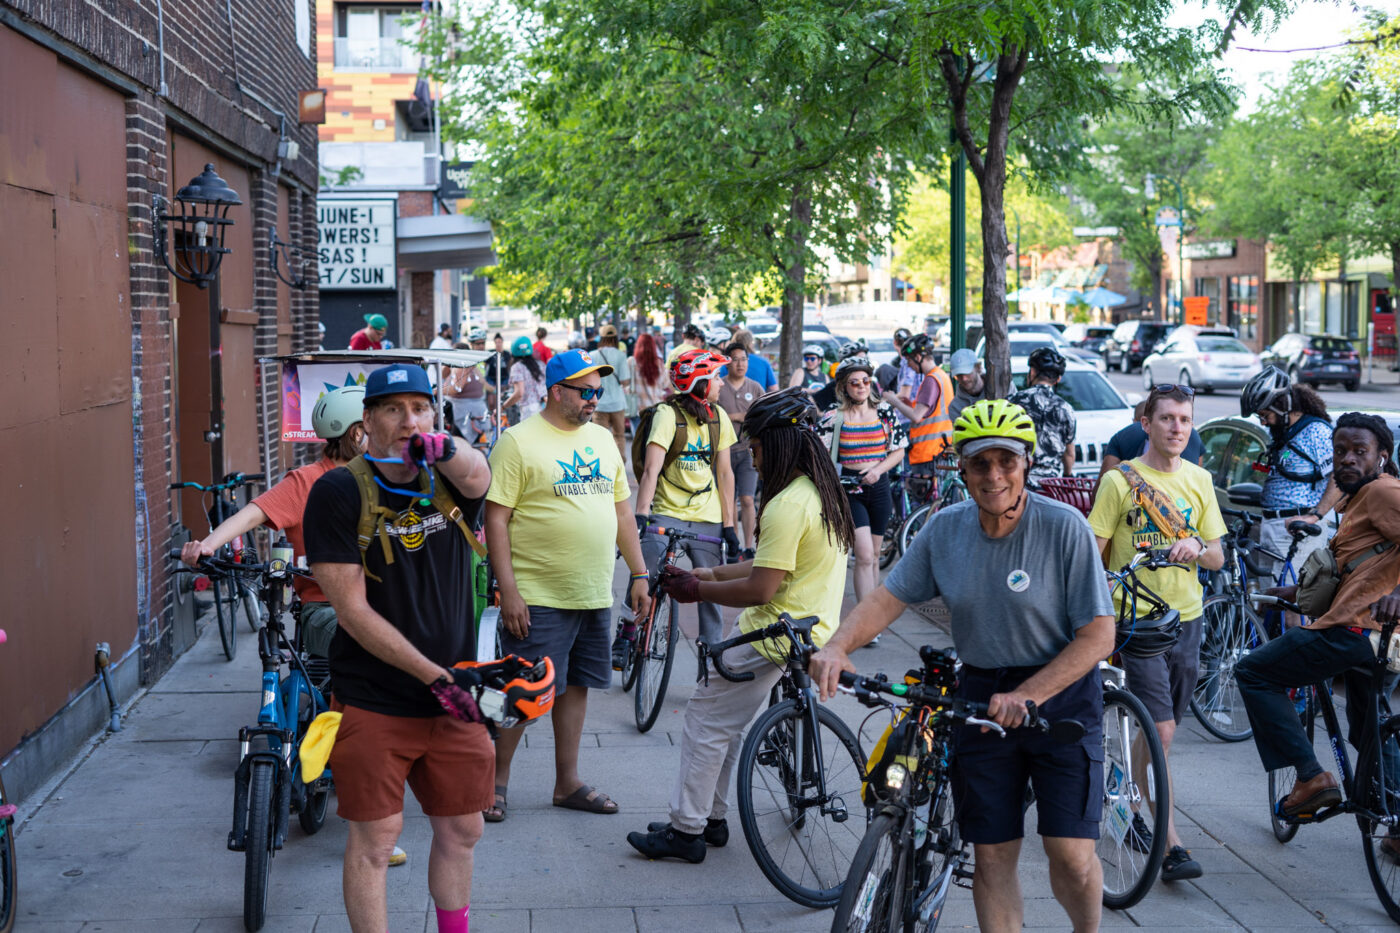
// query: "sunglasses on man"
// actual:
[[586, 393]]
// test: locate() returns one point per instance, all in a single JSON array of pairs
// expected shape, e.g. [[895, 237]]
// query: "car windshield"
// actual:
[[1085, 391], [1331, 344], [880, 345], [1221, 345]]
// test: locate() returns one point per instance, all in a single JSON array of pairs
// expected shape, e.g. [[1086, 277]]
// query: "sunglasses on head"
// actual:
[[1166, 388], [586, 393]]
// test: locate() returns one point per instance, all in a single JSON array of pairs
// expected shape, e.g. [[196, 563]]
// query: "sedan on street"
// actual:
[[1316, 358], [1204, 361]]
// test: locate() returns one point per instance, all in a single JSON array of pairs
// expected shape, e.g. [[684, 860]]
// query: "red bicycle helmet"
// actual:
[[693, 369], [509, 690]]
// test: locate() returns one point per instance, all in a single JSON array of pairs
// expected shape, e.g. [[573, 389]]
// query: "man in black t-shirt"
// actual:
[[404, 606]]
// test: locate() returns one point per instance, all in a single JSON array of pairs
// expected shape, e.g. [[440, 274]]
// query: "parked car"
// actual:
[[1089, 337], [1206, 361], [1231, 447], [1315, 359], [1100, 411], [942, 336], [1023, 340], [880, 350], [829, 344], [1132, 342]]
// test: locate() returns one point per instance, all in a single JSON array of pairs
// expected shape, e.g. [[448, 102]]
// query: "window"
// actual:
[[1242, 307], [1240, 469], [375, 38], [1209, 287], [1214, 441], [1220, 345]]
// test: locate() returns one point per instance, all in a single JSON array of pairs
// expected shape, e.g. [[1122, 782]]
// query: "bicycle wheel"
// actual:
[[803, 842], [313, 799], [1377, 793], [872, 900], [948, 856], [250, 605], [223, 612], [630, 667], [911, 526], [1229, 632], [1135, 785], [654, 664], [889, 548], [1282, 780], [9, 872], [258, 855]]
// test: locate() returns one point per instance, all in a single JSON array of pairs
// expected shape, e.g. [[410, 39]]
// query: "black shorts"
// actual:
[[577, 641], [1165, 683], [990, 773], [870, 505]]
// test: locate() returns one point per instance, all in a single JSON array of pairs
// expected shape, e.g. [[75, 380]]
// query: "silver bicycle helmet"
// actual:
[[1270, 390]]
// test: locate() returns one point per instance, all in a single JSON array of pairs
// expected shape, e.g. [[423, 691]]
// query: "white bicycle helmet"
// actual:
[[477, 334], [337, 411], [719, 337]]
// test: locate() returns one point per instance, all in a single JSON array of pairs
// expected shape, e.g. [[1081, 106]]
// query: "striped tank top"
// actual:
[[861, 444]]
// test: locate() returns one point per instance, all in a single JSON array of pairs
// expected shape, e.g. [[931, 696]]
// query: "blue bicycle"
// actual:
[[268, 785]]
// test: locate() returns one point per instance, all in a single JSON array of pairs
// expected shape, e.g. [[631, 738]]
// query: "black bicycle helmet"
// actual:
[[783, 409], [693, 332], [849, 350], [1149, 636], [917, 345], [1047, 361], [1269, 390]]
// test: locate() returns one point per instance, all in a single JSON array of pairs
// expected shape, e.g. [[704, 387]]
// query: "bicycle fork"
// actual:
[[806, 739], [276, 749]]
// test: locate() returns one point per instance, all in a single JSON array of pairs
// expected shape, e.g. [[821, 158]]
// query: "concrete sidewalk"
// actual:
[[131, 838]]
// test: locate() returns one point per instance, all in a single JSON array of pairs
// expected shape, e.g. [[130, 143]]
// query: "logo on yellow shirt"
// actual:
[[582, 477]]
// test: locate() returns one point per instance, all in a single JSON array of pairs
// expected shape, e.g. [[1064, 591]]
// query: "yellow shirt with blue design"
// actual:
[[562, 486], [1128, 528], [686, 489]]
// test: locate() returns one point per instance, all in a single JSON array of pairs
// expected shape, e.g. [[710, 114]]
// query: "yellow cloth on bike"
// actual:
[[1128, 527], [794, 539], [687, 490], [316, 745], [562, 488]]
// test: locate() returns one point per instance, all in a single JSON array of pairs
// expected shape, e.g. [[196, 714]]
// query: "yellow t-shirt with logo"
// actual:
[[681, 491], [1116, 517], [676, 351], [563, 486], [794, 539]]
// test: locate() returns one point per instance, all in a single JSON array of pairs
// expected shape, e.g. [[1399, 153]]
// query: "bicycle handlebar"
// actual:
[[1259, 599], [680, 535], [231, 481], [797, 631], [220, 566]]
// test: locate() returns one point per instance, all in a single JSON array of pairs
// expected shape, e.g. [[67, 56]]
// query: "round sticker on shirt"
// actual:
[[748, 396], [1017, 581]]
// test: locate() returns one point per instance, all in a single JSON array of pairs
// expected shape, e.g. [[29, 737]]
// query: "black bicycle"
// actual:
[[912, 853], [1372, 791], [800, 773], [231, 595]]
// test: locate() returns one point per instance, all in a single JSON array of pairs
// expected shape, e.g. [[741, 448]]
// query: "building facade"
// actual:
[[110, 105]]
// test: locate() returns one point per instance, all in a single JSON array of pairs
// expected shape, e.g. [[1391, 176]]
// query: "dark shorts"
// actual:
[[450, 765], [745, 475], [990, 773], [1165, 683], [871, 505], [577, 641]]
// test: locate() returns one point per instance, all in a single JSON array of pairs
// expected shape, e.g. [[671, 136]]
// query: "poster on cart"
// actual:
[[303, 384]]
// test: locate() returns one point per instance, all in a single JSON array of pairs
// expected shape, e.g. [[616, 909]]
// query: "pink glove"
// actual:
[[680, 585], [458, 702], [428, 449]]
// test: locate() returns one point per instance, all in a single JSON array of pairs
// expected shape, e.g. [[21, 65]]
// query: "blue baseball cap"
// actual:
[[572, 364], [401, 377]]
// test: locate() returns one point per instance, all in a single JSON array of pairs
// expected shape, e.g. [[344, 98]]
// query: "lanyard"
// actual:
[[411, 493]]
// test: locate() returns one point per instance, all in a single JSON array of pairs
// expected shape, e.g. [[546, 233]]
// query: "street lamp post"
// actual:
[[1151, 191], [197, 226]]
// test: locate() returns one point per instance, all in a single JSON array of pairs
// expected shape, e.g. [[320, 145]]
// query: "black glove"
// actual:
[[732, 547], [681, 585], [643, 521]]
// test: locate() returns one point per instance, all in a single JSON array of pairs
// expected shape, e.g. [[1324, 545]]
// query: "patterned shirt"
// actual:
[[1054, 428], [1315, 440], [861, 444]]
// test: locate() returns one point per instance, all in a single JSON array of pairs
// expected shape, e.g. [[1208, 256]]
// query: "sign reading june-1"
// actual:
[[356, 243]]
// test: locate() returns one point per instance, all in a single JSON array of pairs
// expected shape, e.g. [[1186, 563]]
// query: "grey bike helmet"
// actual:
[[477, 335], [719, 337], [1149, 636], [814, 349], [1270, 390], [849, 350], [853, 364], [336, 412], [791, 407]]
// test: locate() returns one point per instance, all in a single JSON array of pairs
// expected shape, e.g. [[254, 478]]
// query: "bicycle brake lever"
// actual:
[[974, 721]]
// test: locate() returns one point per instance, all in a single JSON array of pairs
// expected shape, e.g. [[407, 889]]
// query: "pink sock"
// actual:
[[453, 921]]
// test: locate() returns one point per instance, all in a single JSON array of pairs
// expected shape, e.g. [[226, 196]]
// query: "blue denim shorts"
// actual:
[[577, 641], [990, 773]]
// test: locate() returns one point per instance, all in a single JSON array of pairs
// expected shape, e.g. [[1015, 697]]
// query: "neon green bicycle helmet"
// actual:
[[994, 418], [336, 412]]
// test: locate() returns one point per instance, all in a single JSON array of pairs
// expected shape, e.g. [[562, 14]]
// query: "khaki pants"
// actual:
[[616, 422], [715, 719]]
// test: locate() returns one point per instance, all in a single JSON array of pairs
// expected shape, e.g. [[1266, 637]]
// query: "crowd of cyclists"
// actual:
[[796, 483]]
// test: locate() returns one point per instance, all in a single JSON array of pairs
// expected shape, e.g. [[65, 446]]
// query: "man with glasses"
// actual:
[[558, 502], [1160, 501]]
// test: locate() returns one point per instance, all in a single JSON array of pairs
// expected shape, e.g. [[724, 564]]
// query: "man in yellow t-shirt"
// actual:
[[692, 338], [695, 492], [1123, 526], [556, 506], [800, 568]]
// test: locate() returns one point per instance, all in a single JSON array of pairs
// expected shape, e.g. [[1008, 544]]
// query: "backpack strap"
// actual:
[[444, 503], [373, 516], [1165, 515], [1369, 553]]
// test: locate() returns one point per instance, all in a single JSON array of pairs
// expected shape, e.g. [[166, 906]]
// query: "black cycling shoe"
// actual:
[[716, 831], [1139, 835], [669, 843], [1180, 866], [621, 648]]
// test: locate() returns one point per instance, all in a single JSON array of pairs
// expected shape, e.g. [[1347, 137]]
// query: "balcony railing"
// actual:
[[381, 54]]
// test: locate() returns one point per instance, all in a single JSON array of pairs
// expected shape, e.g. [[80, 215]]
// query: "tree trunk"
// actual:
[[994, 250], [1395, 275], [794, 273]]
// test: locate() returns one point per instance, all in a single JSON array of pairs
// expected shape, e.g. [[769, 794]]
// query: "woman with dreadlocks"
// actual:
[[804, 535]]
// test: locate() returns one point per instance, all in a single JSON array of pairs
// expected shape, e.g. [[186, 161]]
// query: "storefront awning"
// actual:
[[444, 241]]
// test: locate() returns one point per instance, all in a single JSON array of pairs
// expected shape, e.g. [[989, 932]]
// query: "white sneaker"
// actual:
[[399, 857]]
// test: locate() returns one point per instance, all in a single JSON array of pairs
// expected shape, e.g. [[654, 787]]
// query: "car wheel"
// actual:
[[1184, 378], [1124, 364], [1293, 374], [1146, 379], [1352, 385]]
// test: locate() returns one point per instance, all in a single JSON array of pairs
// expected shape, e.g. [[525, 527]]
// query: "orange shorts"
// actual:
[[451, 765]]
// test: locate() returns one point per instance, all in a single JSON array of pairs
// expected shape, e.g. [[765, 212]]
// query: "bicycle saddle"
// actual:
[[1301, 530]]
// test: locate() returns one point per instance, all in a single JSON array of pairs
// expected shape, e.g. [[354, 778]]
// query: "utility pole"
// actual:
[[1151, 192]]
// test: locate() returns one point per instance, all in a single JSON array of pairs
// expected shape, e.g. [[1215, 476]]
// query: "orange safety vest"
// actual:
[[929, 438]]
